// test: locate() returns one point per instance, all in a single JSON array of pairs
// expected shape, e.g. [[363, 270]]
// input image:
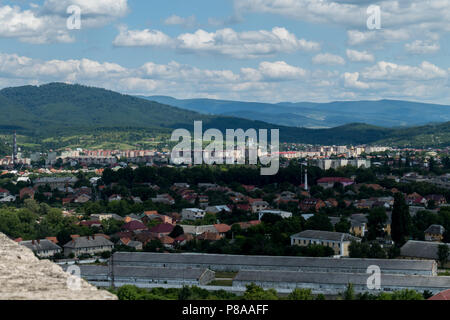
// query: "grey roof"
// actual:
[[142, 272], [88, 242], [196, 230], [325, 235], [270, 261], [343, 278], [56, 180], [420, 249], [42, 245], [435, 229]]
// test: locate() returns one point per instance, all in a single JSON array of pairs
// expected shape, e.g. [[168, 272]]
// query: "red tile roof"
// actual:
[[222, 228], [444, 295], [134, 225], [162, 228]]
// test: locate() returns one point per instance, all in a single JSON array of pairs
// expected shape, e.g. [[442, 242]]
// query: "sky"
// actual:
[[248, 50]]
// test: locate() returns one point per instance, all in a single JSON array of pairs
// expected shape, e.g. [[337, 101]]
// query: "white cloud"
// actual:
[[359, 56], [247, 44], [269, 81], [141, 38], [188, 22], [274, 71], [356, 37], [328, 59], [400, 19], [422, 47], [47, 23], [351, 80], [390, 71]]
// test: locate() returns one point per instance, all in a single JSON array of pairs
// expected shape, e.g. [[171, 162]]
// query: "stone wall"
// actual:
[[24, 277]]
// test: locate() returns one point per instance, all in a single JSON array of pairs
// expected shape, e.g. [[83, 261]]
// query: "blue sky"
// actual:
[[252, 50]]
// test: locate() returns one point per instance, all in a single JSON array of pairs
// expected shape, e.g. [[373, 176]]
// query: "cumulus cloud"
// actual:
[[359, 56], [422, 47], [351, 80], [328, 59], [142, 38], [401, 20], [188, 22], [47, 23], [274, 71], [269, 81], [247, 44], [356, 37], [391, 71]]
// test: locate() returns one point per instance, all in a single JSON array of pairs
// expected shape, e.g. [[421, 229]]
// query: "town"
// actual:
[[124, 217]]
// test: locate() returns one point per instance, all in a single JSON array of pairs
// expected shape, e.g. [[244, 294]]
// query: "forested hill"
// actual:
[[57, 109]]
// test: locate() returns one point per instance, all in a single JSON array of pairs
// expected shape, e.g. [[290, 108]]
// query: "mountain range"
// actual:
[[385, 113], [57, 110]]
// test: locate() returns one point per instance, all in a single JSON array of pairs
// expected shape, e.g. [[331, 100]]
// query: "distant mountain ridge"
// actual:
[[63, 110], [385, 113]]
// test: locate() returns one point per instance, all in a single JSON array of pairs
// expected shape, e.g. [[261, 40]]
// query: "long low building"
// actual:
[[224, 262], [143, 276], [335, 283], [426, 250]]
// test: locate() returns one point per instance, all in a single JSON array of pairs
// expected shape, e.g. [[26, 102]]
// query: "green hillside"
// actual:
[[57, 115]]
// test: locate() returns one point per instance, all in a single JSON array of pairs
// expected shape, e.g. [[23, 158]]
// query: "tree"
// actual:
[[375, 223], [176, 232], [319, 221], [154, 246], [301, 294], [443, 254], [343, 225], [254, 292], [349, 293], [127, 292], [401, 220]]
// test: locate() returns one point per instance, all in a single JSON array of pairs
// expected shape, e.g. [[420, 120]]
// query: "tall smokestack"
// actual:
[[14, 155], [306, 179]]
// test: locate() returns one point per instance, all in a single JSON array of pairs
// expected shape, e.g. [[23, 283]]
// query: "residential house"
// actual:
[[134, 226], [106, 216], [137, 245], [435, 233], [328, 182], [282, 214], [222, 229], [26, 192], [192, 214], [163, 198], [217, 209], [311, 204], [161, 230], [198, 230], [87, 245], [438, 199], [43, 248], [338, 241], [258, 205]]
